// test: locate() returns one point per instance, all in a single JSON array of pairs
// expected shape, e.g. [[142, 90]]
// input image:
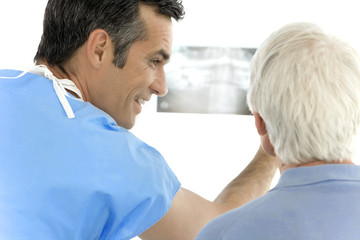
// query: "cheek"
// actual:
[[143, 80]]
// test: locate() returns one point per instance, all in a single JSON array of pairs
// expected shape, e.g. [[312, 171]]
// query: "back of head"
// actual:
[[69, 23], [305, 84]]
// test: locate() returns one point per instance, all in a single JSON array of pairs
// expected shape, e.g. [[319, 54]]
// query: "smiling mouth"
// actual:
[[140, 101]]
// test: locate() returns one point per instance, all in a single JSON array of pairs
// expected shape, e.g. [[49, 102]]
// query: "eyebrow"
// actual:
[[163, 53]]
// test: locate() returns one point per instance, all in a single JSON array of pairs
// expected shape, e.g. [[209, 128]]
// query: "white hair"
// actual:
[[305, 85]]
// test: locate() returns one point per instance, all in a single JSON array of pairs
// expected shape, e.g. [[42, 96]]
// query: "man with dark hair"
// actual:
[[71, 169]]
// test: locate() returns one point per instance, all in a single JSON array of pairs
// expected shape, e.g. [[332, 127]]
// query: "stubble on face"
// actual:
[[143, 73]]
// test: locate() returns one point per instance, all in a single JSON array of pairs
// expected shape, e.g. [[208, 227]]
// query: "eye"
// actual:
[[155, 62]]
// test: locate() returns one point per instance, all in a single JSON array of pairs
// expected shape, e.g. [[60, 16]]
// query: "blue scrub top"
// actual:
[[81, 178]]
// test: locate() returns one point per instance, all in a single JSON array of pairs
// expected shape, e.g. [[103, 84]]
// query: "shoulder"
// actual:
[[240, 223]]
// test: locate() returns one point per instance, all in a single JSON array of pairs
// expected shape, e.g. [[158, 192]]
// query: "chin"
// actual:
[[125, 124]]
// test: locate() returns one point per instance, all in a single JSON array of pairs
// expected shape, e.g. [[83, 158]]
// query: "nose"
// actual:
[[159, 86]]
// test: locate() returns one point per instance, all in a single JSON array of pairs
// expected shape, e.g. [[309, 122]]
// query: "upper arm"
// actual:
[[188, 214]]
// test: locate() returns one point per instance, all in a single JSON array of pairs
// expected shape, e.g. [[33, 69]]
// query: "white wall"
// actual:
[[248, 23], [205, 151], [20, 32]]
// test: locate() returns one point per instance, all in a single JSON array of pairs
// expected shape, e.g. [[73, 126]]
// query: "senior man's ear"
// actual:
[[99, 47], [265, 140], [260, 124]]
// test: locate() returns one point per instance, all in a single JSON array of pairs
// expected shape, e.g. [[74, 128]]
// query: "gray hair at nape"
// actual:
[[305, 84]]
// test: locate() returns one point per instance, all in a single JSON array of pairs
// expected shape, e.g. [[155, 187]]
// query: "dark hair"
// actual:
[[69, 23]]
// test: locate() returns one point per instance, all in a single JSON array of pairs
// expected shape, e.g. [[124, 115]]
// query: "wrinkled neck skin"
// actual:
[[283, 167]]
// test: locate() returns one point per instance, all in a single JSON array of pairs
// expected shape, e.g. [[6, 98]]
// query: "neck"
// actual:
[[60, 74], [284, 166]]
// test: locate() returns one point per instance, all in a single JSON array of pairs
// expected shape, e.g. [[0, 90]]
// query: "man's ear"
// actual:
[[99, 47], [264, 137], [260, 124]]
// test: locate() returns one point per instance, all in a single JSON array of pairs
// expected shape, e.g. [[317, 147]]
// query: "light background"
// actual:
[[206, 151]]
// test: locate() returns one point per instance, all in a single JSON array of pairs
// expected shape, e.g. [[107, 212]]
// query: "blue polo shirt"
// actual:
[[80, 178], [319, 202]]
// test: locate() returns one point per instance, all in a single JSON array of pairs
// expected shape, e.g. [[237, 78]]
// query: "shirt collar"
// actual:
[[327, 172]]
